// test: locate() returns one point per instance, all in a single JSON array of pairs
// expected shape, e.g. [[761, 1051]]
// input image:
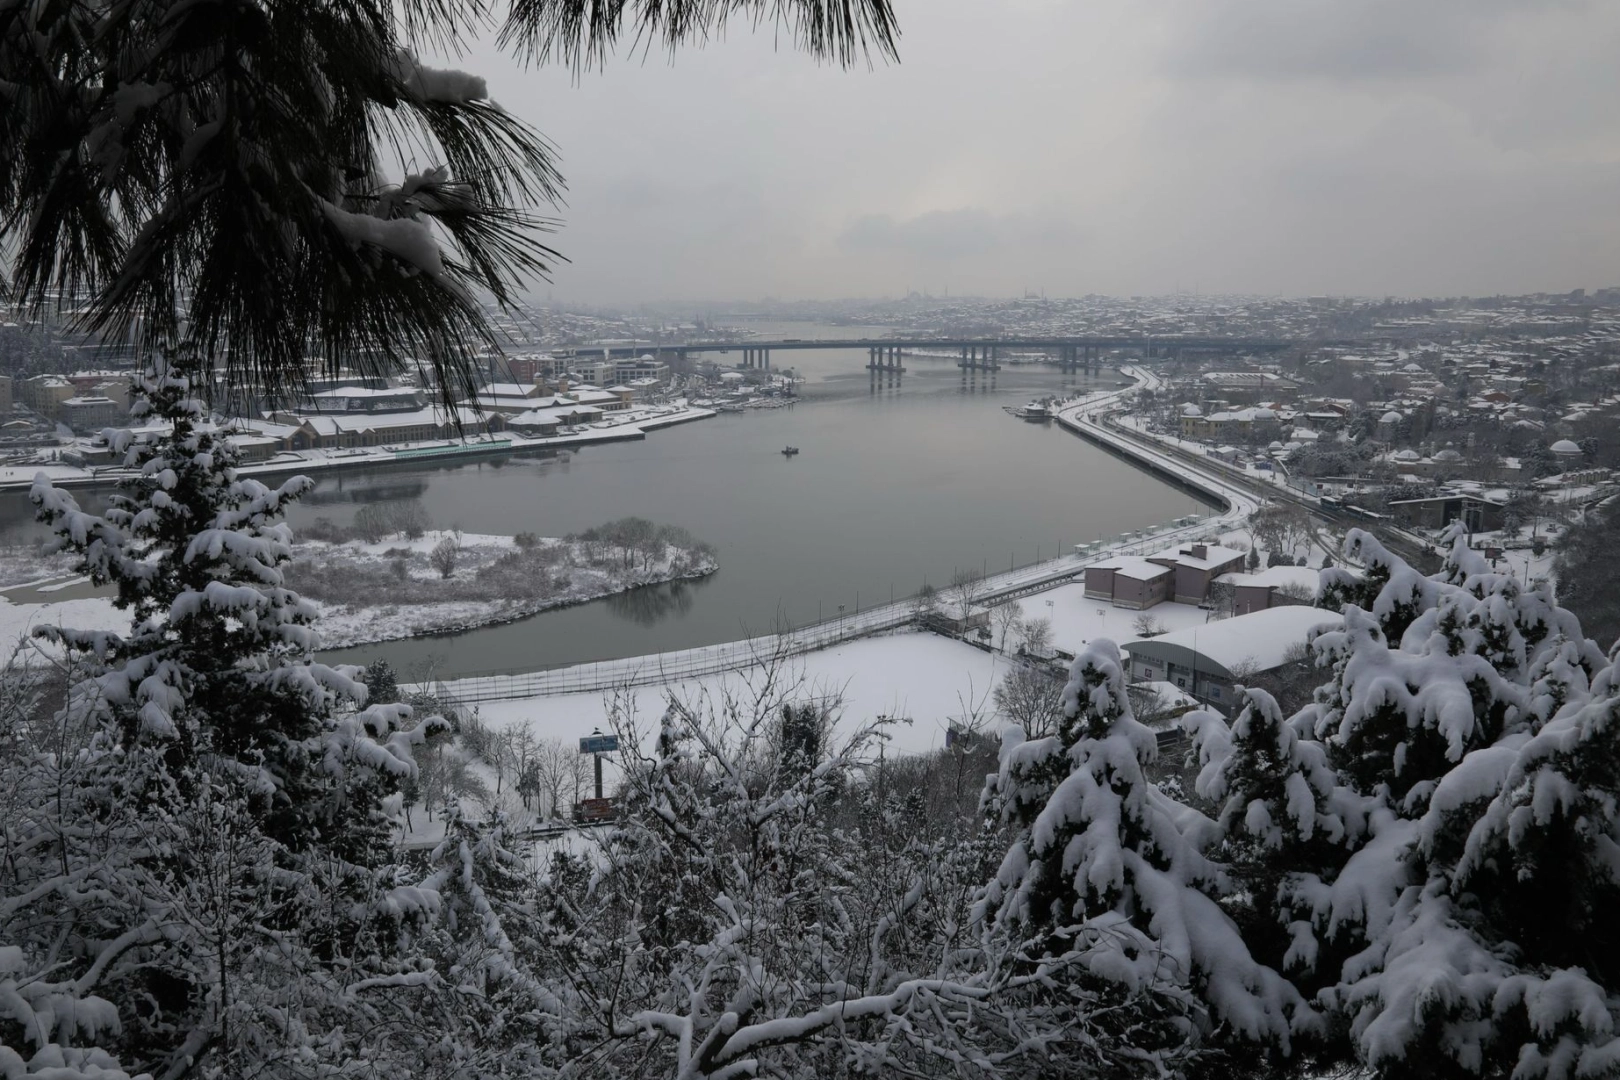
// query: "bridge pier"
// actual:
[[977, 358], [883, 361], [884, 358]]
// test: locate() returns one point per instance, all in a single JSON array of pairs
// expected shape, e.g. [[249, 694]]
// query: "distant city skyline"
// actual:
[[1606, 294]]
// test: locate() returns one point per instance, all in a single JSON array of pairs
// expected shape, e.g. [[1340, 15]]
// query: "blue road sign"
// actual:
[[599, 744]]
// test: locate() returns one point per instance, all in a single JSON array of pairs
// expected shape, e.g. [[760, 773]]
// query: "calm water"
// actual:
[[892, 488]]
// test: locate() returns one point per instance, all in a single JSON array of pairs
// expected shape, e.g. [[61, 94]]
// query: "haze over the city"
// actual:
[[1412, 147]]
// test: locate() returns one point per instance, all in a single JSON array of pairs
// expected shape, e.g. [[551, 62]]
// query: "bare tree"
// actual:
[[558, 775], [1032, 698], [410, 519], [1038, 635], [1007, 618], [1147, 703], [444, 555], [371, 522], [1280, 528], [522, 744], [501, 754], [446, 775], [1292, 683], [1297, 592], [964, 591], [1147, 625]]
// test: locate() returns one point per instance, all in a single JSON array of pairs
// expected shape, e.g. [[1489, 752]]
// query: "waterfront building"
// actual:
[[1129, 581], [510, 398], [341, 431], [368, 399]]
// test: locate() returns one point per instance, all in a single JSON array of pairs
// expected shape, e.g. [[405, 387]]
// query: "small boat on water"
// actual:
[[1035, 410], [789, 451]]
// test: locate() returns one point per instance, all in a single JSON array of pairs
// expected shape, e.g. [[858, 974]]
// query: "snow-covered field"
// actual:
[[928, 680]]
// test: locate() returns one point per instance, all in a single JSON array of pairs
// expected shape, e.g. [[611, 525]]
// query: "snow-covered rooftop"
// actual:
[[1213, 555], [1276, 577], [364, 392], [1259, 640], [333, 423], [1132, 566]]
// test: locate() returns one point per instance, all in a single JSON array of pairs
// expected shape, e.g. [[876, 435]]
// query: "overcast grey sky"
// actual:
[[1418, 147]]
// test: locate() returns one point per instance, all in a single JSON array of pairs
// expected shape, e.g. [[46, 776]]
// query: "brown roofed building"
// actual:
[[1129, 581], [1195, 566]]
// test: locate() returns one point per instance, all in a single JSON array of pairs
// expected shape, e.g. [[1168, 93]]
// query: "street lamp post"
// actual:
[[840, 622]]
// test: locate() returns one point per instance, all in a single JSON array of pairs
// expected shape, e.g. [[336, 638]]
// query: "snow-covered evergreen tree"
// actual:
[[1110, 873], [1475, 775], [1413, 874], [1496, 955], [1285, 820], [216, 668], [198, 875]]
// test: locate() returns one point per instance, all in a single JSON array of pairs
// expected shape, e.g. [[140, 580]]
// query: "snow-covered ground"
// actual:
[[1077, 621], [928, 680], [17, 621], [28, 601], [25, 565], [569, 576]]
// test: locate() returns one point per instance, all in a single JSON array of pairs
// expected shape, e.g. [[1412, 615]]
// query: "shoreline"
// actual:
[[19, 478], [706, 660], [1079, 417], [523, 610], [347, 625]]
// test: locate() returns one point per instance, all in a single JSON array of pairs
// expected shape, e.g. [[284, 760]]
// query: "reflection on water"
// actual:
[[652, 604], [333, 491]]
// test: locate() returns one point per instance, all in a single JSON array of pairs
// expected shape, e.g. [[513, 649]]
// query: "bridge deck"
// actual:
[[1209, 343]]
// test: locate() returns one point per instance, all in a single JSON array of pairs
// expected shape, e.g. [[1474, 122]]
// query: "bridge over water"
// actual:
[[974, 353]]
